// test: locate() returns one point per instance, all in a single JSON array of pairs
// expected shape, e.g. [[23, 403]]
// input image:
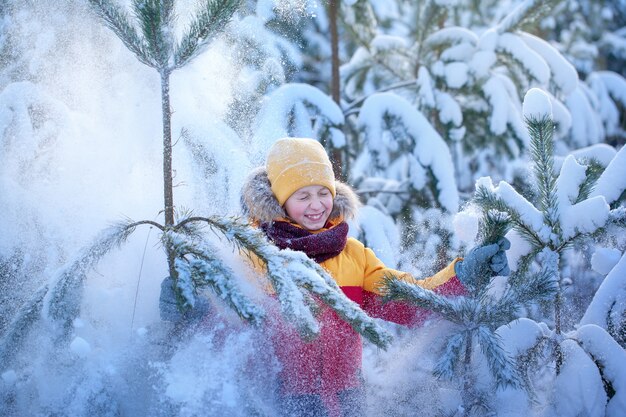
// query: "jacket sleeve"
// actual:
[[444, 282]]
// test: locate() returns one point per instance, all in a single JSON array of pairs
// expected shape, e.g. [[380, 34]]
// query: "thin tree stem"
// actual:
[[467, 380], [333, 6], [168, 189], [168, 192], [558, 359], [334, 42]]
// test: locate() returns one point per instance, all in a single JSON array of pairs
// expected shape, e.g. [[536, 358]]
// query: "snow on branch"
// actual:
[[60, 299], [429, 148], [611, 360], [500, 363], [610, 295], [118, 21], [575, 218], [451, 36], [497, 96], [293, 275], [526, 10], [448, 362], [289, 111], [211, 19], [612, 183], [530, 61], [587, 128], [198, 266], [578, 386], [307, 273], [564, 75], [21, 325], [615, 85], [524, 216], [62, 302]]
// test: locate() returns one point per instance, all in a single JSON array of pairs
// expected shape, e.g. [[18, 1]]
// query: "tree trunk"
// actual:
[[333, 6], [558, 353], [467, 395], [334, 46], [168, 189]]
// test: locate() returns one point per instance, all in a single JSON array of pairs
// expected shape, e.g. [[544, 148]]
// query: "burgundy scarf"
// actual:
[[317, 246]]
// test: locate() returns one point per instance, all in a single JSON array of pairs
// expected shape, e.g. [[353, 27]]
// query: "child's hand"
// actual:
[[168, 307], [487, 259]]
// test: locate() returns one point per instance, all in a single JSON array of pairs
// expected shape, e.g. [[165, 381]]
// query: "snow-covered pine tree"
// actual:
[[477, 316], [293, 277], [157, 48], [565, 211], [264, 44], [189, 252], [465, 82], [590, 34], [298, 110]]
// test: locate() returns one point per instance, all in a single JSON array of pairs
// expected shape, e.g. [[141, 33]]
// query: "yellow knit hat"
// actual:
[[293, 163]]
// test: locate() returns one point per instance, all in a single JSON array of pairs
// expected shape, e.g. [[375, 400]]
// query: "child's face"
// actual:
[[310, 206]]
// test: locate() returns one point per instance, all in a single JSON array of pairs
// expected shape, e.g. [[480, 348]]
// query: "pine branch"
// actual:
[[521, 293], [209, 21], [330, 293], [21, 325], [62, 302], [286, 269], [398, 290], [542, 154], [501, 366], [206, 269], [448, 362], [593, 172], [190, 229], [156, 20], [617, 218], [528, 10], [494, 226], [118, 21], [488, 201], [292, 300]]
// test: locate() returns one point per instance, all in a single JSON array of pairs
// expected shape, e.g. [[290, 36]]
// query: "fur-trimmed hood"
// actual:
[[259, 203]]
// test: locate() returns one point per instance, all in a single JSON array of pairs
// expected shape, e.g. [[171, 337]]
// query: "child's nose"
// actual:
[[316, 203]]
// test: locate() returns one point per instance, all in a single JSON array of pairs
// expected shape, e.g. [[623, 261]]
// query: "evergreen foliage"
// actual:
[[555, 232], [462, 66], [156, 49], [193, 262], [478, 315], [292, 275], [550, 230]]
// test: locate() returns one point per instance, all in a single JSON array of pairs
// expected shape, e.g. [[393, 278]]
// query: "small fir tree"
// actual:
[[192, 261], [566, 211], [478, 315]]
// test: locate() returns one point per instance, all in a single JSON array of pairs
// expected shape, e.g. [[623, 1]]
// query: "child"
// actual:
[[299, 205]]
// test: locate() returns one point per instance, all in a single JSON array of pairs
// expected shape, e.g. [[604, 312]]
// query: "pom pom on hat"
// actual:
[[293, 163]]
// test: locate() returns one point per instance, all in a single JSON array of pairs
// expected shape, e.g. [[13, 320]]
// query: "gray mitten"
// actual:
[[168, 308], [487, 259]]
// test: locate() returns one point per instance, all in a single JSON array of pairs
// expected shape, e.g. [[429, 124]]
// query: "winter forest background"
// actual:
[[425, 108]]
